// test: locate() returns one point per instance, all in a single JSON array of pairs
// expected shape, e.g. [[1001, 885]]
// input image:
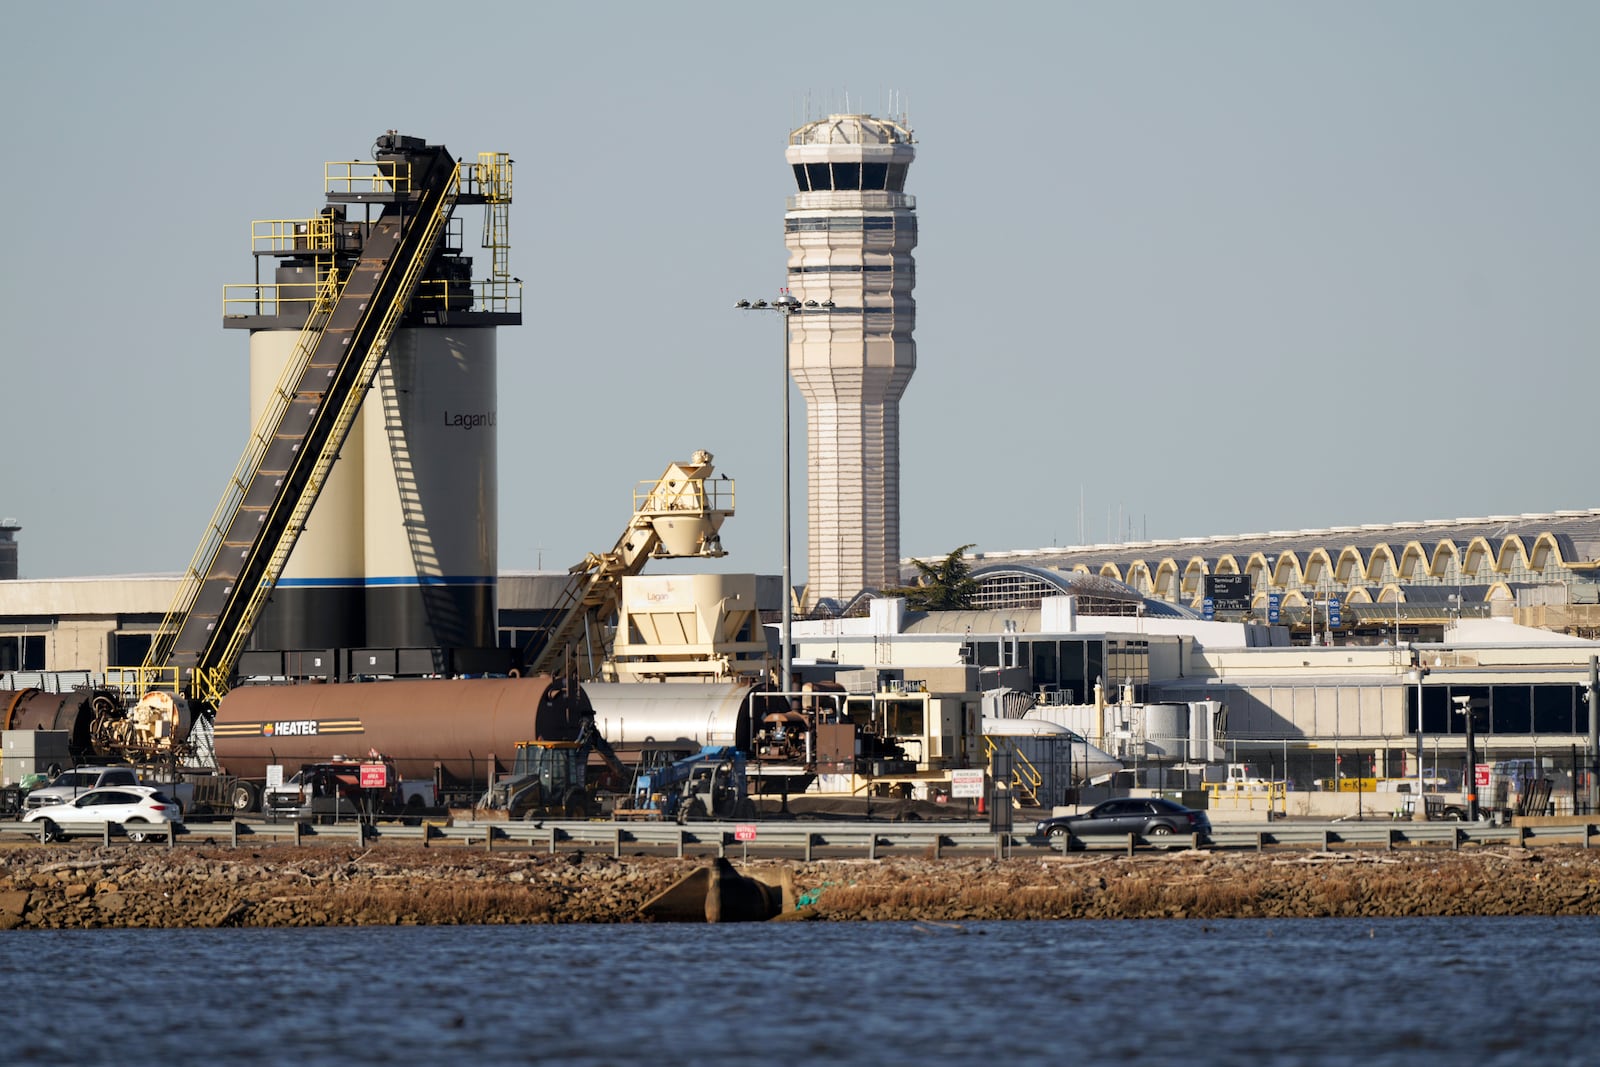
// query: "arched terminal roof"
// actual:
[[1464, 557], [1021, 586]]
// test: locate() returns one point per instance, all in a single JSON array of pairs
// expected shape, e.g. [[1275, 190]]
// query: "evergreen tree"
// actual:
[[944, 586]]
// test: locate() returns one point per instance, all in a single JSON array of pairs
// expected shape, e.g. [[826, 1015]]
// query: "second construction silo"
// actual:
[[429, 492]]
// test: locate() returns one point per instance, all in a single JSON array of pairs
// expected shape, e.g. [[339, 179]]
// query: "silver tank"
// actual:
[[633, 715]]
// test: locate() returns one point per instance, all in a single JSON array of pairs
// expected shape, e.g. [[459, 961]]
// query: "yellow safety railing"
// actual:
[[498, 294], [1265, 796], [242, 299], [367, 176], [292, 235], [135, 682], [692, 494], [1025, 777], [489, 178], [209, 685], [437, 294]]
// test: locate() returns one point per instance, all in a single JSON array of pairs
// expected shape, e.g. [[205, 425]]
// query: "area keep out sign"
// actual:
[[966, 783], [374, 776]]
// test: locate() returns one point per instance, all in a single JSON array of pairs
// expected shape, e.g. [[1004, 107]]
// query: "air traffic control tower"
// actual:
[[850, 230]]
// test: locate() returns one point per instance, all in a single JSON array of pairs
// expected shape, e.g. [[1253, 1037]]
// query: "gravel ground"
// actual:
[[89, 886]]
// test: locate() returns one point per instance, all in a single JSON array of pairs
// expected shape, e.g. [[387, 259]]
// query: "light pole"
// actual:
[[1593, 798], [1397, 610], [786, 306], [1464, 707], [1419, 813]]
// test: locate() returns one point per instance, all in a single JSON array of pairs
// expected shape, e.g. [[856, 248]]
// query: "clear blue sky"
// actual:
[[1212, 268]]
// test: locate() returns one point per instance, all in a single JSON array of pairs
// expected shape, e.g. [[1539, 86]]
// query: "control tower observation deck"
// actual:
[[850, 230]]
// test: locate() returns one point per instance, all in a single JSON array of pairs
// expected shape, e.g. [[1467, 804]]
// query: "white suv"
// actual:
[[71, 784], [138, 809]]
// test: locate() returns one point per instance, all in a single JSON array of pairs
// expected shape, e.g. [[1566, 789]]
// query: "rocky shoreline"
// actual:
[[278, 886]]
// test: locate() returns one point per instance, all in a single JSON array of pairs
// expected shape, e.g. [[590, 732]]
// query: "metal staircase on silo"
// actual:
[[489, 182]]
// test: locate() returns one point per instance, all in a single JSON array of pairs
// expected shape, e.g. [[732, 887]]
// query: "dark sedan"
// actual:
[[1151, 818]]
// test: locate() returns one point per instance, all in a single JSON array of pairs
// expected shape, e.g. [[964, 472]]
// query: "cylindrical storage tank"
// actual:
[[469, 728], [431, 509], [640, 714], [1166, 731], [98, 724], [33, 709], [318, 601]]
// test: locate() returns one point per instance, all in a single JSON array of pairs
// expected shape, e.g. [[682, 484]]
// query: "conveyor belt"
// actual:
[[273, 491]]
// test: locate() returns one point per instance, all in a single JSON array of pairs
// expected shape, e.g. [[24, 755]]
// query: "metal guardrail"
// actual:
[[808, 841], [1388, 835], [681, 840], [165, 833]]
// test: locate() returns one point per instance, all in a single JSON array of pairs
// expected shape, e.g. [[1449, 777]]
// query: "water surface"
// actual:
[[1304, 991]]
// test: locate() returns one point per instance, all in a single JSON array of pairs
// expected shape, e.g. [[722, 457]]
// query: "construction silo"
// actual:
[[399, 549], [318, 602], [850, 229], [430, 508]]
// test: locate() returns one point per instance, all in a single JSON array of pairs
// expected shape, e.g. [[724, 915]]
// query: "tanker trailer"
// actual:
[[458, 733], [683, 715], [653, 724]]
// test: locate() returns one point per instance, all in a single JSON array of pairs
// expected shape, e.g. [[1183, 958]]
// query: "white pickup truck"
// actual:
[[68, 785], [1236, 776]]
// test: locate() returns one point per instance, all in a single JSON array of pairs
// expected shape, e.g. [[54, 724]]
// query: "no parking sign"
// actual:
[[966, 783]]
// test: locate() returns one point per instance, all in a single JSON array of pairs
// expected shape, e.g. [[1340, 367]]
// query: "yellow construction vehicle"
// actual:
[[551, 778]]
